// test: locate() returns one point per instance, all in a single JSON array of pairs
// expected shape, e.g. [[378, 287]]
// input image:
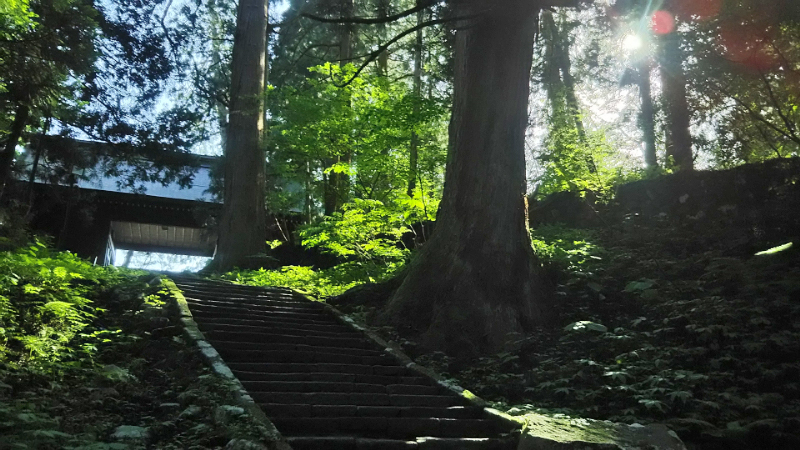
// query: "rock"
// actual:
[[191, 411], [564, 433], [225, 414], [243, 444], [131, 434], [169, 407]]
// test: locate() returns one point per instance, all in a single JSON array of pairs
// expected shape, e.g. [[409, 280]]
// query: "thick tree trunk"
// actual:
[[476, 280], [647, 115], [243, 223], [673, 80], [413, 154], [10, 148]]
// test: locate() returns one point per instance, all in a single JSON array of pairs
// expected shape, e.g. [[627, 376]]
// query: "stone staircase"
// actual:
[[327, 386]]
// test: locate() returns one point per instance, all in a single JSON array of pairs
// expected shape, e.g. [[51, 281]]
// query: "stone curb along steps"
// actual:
[[327, 383]]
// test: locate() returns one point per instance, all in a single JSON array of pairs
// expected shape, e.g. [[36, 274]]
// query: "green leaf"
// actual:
[[774, 250], [640, 285]]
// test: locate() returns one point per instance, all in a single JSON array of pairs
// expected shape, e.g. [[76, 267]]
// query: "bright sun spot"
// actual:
[[632, 42]]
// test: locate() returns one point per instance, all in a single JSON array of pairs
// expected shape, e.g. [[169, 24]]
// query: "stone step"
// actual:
[[245, 312], [234, 346], [288, 356], [212, 322], [332, 377], [425, 443], [296, 338], [258, 304], [279, 320], [308, 410], [356, 398], [322, 386], [392, 428], [335, 367]]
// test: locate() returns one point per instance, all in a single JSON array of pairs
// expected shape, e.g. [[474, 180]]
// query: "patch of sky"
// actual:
[[165, 262]]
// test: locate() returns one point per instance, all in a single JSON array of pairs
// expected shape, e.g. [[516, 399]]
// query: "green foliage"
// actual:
[[43, 302], [362, 130], [366, 236], [575, 165], [565, 249], [366, 230], [319, 283]]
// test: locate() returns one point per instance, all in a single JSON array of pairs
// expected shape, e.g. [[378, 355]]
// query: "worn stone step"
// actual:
[[307, 367], [331, 377], [245, 312], [321, 386], [288, 356], [425, 443], [239, 296], [296, 338], [211, 322], [437, 443], [355, 398], [221, 345], [277, 319], [307, 410], [256, 304], [226, 287], [393, 428], [348, 443]]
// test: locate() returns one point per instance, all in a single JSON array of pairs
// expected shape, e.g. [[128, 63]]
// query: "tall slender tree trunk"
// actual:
[[413, 154], [673, 80], [383, 58], [243, 223], [565, 67], [477, 280], [338, 186], [647, 115], [9, 150]]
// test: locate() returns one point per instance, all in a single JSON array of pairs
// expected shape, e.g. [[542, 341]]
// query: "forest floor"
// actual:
[[658, 321], [143, 386]]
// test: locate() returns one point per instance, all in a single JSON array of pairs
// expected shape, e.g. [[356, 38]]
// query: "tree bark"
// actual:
[[673, 80], [413, 153], [647, 115], [10, 148], [243, 223], [477, 280], [337, 188]]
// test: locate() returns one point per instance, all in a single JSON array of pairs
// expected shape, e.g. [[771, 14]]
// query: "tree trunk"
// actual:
[[477, 280], [383, 58], [243, 223], [673, 80], [647, 115], [413, 154], [338, 185], [565, 67], [10, 148]]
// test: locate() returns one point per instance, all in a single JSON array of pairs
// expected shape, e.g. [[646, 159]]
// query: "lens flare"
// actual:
[[632, 42], [662, 22]]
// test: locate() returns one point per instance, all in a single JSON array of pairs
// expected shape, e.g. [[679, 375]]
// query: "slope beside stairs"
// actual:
[[325, 384]]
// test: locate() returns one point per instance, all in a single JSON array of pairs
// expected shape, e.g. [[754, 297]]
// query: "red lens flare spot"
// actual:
[[697, 9], [662, 22]]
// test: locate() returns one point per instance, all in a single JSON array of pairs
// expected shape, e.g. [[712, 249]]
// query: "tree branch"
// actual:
[[372, 56], [422, 4]]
